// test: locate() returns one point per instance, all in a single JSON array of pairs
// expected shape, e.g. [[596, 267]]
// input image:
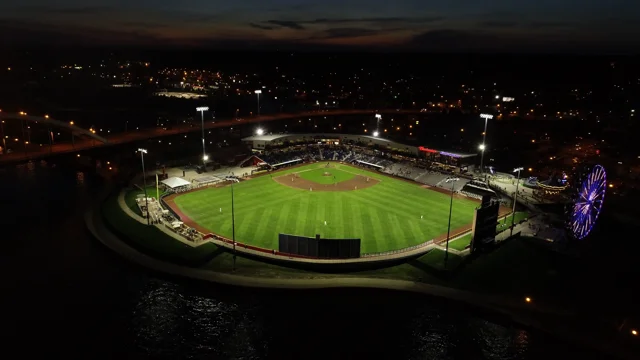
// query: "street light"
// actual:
[[484, 136], [144, 180], [515, 198], [258, 92], [446, 251], [202, 109]]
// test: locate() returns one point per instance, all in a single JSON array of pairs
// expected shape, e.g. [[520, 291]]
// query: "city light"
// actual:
[[527, 299], [634, 332], [70, 122]]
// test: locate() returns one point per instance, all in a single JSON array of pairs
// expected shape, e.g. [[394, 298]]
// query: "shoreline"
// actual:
[[527, 315]]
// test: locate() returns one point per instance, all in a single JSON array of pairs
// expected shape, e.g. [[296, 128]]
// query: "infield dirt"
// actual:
[[358, 182]]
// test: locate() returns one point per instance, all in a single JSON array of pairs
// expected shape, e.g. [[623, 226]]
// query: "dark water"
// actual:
[[64, 294]]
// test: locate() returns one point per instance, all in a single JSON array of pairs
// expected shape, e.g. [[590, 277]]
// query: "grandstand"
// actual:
[[412, 163]]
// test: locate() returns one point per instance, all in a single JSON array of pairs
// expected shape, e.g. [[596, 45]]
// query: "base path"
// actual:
[[358, 182]]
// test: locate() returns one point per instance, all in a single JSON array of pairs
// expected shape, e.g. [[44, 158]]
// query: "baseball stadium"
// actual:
[[326, 198]]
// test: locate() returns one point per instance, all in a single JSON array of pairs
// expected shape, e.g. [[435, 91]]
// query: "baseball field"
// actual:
[[330, 199]]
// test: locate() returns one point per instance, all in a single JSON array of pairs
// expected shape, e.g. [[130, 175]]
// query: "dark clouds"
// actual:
[[406, 24], [286, 24], [337, 33], [262, 27]]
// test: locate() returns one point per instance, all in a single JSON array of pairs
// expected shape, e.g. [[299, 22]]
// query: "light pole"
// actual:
[[258, 92], [446, 251], [4, 140], [144, 180], [233, 226], [378, 118], [202, 109], [486, 117], [515, 198]]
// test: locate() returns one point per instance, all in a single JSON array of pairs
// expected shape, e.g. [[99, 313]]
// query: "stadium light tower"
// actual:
[[144, 180], [446, 251], [515, 198], [486, 117], [378, 118], [260, 131], [258, 92], [375, 133], [202, 109]]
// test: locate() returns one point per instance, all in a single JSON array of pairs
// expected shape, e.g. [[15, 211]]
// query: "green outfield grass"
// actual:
[[461, 243], [386, 216]]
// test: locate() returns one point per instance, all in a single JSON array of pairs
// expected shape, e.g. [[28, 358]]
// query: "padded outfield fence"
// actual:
[[315, 247]]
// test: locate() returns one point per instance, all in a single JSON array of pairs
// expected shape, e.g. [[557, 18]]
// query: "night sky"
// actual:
[[499, 25]]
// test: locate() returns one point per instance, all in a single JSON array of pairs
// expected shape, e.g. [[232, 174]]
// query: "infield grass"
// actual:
[[386, 216]]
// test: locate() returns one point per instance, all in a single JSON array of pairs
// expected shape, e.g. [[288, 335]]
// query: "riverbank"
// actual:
[[558, 323]]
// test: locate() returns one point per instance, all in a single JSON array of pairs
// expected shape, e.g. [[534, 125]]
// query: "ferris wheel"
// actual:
[[588, 197]]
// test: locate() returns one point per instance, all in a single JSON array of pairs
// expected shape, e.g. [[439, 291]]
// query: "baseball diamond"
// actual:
[[333, 200]]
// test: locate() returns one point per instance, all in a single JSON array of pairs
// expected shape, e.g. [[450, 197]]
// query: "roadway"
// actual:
[[144, 134]]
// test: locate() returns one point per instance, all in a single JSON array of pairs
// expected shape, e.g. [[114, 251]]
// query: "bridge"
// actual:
[[92, 140]]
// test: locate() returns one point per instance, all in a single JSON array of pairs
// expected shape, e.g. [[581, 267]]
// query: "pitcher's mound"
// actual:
[[326, 174]]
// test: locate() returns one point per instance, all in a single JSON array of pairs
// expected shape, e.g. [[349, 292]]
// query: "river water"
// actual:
[[65, 294]]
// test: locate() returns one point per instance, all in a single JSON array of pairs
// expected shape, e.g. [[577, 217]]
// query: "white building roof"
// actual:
[[175, 182]]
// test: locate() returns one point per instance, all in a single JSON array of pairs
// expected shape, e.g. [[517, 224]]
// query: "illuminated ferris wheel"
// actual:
[[588, 197]]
